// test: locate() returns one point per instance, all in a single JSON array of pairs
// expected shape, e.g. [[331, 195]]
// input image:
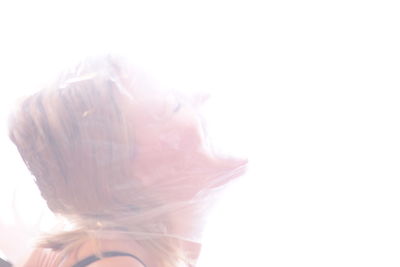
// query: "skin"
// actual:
[[181, 148], [47, 258], [184, 123]]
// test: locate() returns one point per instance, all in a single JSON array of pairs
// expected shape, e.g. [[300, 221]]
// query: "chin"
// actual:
[[226, 169]]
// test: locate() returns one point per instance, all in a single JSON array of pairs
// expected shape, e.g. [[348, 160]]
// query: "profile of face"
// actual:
[[173, 144], [175, 158]]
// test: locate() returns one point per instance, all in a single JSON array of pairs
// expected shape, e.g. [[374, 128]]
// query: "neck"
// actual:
[[188, 225], [192, 250]]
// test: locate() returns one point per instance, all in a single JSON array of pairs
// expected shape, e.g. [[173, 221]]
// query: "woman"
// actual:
[[125, 162]]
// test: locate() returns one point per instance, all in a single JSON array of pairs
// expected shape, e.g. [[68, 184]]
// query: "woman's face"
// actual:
[[172, 144]]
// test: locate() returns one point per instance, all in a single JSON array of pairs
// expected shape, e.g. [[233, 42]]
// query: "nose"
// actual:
[[198, 99], [194, 100]]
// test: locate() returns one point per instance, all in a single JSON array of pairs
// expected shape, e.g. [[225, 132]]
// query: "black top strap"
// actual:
[[107, 254]]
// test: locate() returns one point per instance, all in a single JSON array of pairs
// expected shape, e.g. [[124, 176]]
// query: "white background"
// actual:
[[310, 95]]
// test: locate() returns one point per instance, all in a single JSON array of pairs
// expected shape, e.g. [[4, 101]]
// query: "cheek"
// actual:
[[166, 144], [188, 127], [189, 138]]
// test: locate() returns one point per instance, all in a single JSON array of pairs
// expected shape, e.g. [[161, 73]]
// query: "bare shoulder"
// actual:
[[121, 252], [42, 257], [117, 261]]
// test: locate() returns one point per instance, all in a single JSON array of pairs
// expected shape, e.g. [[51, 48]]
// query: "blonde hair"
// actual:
[[77, 139]]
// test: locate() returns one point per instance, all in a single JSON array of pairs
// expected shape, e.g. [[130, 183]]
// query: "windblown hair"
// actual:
[[77, 139]]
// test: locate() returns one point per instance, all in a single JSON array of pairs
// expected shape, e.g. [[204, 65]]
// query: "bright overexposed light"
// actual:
[[310, 93]]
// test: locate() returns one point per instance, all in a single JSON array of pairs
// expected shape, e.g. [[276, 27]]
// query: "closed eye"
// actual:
[[177, 108]]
